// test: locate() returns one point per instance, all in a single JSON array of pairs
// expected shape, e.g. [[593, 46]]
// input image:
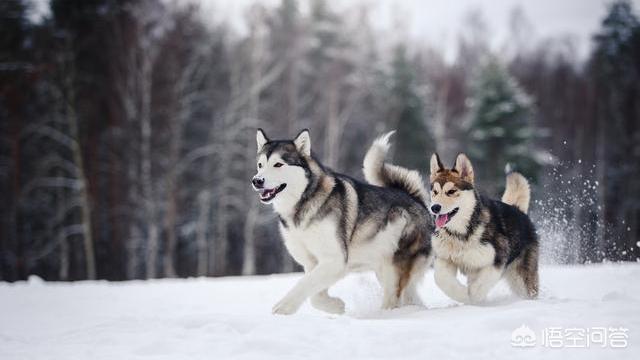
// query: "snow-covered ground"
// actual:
[[231, 318]]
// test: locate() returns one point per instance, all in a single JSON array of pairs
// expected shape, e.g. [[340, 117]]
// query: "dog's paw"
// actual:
[[328, 304], [476, 295], [286, 306], [412, 301], [460, 295], [390, 303]]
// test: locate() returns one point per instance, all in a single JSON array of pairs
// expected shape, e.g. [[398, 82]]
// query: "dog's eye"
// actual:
[[259, 165], [435, 192], [277, 164], [451, 192]]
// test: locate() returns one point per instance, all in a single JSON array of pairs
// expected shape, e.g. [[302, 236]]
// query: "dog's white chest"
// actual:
[[317, 240], [469, 254], [448, 248]]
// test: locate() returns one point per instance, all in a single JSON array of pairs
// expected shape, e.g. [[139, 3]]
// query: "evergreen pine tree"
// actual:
[[414, 139], [615, 70], [500, 130]]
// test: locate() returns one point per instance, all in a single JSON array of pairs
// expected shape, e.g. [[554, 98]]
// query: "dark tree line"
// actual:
[[127, 129]]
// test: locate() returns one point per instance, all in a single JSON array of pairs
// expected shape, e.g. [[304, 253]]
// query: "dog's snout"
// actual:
[[435, 208], [257, 181]]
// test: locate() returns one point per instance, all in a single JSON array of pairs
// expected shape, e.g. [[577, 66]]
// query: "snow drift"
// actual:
[[231, 318]]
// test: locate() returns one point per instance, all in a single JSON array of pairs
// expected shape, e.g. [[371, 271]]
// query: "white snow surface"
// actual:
[[220, 318]]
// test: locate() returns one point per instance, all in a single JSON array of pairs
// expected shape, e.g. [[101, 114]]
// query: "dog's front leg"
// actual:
[[323, 275], [327, 303], [322, 300], [482, 282], [445, 274]]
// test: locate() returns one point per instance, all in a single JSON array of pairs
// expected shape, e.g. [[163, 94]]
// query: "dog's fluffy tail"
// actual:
[[379, 173], [517, 191]]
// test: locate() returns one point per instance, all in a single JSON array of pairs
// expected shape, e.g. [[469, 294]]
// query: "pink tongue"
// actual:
[[441, 220]]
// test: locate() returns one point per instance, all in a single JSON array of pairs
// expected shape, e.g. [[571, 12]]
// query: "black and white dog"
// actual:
[[333, 224]]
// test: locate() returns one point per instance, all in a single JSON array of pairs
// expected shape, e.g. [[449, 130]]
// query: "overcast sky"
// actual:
[[439, 21]]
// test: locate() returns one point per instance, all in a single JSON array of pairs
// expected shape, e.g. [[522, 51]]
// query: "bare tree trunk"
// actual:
[[204, 206], [257, 59], [147, 181], [170, 220], [333, 126], [85, 204], [338, 116], [63, 268], [152, 251], [221, 240], [133, 246], [170, 228], [293, 84], [249, 263], [292, 97], [185, 93], [85, 212], [134, 241], [219, 243]]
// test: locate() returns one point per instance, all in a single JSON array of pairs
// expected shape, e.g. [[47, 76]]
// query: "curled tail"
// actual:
[[517, 191], [379, 173]]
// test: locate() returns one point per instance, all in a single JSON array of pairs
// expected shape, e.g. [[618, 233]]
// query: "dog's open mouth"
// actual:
[[267, 195], [443, 219]]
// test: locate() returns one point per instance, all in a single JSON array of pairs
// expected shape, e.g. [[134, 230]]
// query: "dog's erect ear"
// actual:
[[303, 142], [261, 139], [436, 164], [464, 168]]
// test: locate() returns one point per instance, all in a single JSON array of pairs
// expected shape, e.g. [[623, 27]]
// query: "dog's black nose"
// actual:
[[257, 181], [435, 208]]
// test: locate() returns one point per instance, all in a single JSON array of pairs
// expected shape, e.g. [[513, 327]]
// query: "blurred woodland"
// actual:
[[127, 129]]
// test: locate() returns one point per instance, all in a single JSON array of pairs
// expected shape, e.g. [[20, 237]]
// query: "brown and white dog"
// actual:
[[485, 239]]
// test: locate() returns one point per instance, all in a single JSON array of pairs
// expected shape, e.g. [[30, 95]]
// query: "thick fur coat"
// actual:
[[485, 239], [332, 224]]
